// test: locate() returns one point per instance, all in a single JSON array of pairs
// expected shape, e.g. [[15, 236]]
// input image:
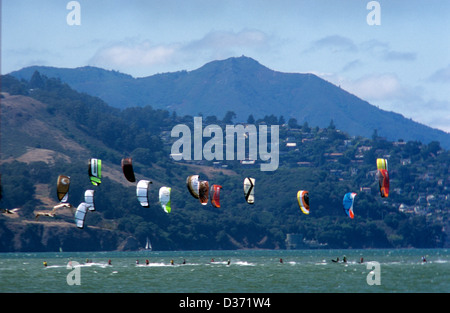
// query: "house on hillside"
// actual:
[[405, 209], [365, 189]]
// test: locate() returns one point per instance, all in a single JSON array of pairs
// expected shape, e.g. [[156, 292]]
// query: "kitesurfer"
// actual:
[[109, 262], [424, 260], [147, 262], [45, 263], [281, 260], [137, 262], [345, 259], [171, 262], [184, 261], [228, 263], [9, 211], [361, 260]]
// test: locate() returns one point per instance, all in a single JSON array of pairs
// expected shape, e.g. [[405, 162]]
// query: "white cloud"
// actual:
[[391, 55], [375, 87], [219, 40], [334, 43], [434, 113], [384, 51], [146, 58], [131, 54], [224, 44], [442, 75], [387, 92], [352, 65]]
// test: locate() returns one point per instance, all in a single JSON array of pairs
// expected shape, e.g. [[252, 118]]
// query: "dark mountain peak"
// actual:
[[235, 62], [234, 65], [245, 62], [244, 86]]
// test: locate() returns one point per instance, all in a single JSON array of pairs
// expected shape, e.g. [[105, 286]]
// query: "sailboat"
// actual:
[[148, 245]]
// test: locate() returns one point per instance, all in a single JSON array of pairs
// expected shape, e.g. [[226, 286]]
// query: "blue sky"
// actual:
[[401, 65]]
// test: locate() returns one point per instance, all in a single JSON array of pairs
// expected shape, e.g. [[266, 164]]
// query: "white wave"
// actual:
[[243, 263], [103, 265], [160, 264]]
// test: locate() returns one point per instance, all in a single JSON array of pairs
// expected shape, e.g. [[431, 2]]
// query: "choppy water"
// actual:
[[249, 271]]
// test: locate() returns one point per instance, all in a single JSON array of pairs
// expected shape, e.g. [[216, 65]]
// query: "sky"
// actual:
[[395, 54]]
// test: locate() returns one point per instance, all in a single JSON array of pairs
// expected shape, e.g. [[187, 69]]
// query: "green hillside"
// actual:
[[65, 128]]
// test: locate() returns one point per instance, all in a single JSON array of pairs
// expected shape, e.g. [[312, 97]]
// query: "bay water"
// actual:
[[240, 271]]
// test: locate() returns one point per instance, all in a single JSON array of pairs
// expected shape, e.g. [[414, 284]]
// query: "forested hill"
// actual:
[[244, 86], [49, 129]]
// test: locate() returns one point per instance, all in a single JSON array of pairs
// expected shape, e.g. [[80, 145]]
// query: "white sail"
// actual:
[[164, 198], [89, 199], [148, 245], [80, 214], [65, 198], [192, 184], [249, 190], [142, 192]]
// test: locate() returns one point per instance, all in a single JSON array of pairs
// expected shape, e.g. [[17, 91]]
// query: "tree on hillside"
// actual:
[[36, 81], [228, 118], [292, 123]]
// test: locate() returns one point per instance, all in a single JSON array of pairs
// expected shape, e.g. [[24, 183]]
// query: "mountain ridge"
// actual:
[[327, 162], [244, 86]]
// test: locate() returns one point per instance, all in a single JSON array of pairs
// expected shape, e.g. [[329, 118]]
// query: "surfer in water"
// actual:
[[336, 261]]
